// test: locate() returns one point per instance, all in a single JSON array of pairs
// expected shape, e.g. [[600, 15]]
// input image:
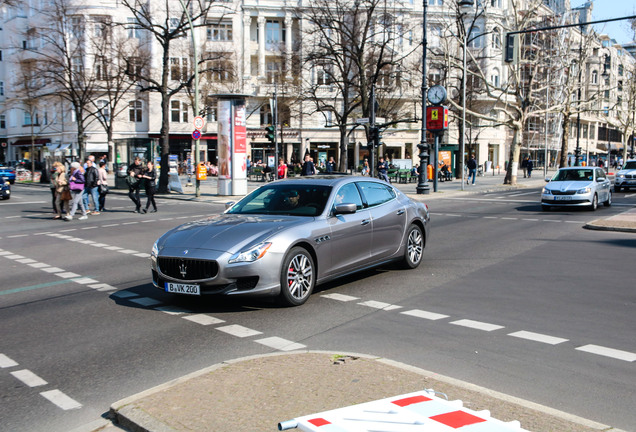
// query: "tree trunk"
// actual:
[[164, 143], [342, 166], [513, 157], [565, 124]]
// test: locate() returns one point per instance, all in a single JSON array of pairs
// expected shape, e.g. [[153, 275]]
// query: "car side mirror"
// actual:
[[547, 179], [229, 204], [344, 209]]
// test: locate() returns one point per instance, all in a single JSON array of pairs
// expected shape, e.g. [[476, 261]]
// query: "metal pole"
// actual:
[[462, 138], [422, 182], [547, 104], [435, 162], [577, 151], [197, 192], [275, 114]]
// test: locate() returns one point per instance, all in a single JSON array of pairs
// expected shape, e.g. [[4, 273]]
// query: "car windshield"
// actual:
[[284, 199], [574, 175], [630, 165]]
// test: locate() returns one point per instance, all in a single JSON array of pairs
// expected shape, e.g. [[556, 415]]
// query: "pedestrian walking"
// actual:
[[282, 169], [76, 186], [308, 167], [331, 165], [365, 168], [102, 184], [135, 172], [52, 177], [91, 177], [149, 175], [61, 191], [383, 166], [530, 166], [524, 166], [472, 169]]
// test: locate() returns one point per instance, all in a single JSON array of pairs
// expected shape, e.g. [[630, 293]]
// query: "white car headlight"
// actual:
[[250, 255], [584, 190], [621, 176], [155, 250], [546, 191]]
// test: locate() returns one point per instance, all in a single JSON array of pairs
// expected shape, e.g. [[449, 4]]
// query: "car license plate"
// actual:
[[563, 198], [178, 288]]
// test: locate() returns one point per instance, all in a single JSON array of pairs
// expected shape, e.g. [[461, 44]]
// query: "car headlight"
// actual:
[[621, 176], [546, 191], [584, 190], [155, 250], [250, 255]]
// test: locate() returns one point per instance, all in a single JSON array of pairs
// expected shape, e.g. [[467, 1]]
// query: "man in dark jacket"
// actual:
[[90, 187], [308, 167], [472, 169], [135, 172]]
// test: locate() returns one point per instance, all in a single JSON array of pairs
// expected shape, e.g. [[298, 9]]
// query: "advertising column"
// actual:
[[232, 145]]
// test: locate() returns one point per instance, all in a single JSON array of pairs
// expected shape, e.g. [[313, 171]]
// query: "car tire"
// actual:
[[414, 249], [609, 200], [594, 205], [297, 277]]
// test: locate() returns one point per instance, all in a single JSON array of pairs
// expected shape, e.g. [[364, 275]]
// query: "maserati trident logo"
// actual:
[[183, 269], [185, 252]]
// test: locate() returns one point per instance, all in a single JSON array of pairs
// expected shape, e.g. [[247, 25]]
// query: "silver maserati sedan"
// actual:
[[287, 236]]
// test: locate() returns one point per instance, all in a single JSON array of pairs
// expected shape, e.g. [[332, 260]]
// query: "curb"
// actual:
[[124, 412]]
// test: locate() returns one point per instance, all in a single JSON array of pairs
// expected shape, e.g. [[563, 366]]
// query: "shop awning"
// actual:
[[27, 142], [97, 147], [52, 147]]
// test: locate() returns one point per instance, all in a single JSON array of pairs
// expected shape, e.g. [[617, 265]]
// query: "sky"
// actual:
[[605, 9]]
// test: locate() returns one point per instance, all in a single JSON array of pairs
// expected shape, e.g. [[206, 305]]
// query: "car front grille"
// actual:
[[187, 269], [630, 176], [557, 192]]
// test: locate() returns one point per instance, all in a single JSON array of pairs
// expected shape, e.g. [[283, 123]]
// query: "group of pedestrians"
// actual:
[[139, 175], [74, 190]]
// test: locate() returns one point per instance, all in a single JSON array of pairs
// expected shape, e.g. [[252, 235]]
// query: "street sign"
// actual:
[[380, 120], [363, 120], [196, 134], [199, 123]]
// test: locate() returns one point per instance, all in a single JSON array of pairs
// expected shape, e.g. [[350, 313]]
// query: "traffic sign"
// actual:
[[199, 123], [196, 134], [362, 120]]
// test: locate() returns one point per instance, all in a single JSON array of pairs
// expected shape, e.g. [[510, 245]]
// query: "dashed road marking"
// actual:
[[424, 314], [379, 305], [608, 352], [125, 294], [239, 331], [537, 337], [61, 400], [203, 319], [66, 275], [6, 362], [52, 269], [29, 378], [280, 344], [477, 325], [340, 297]]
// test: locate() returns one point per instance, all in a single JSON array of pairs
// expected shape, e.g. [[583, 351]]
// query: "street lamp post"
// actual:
[[197, 192], [422, 181], [462, 138]]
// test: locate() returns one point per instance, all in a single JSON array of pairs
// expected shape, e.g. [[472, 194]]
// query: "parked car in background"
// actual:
[[8, 173], [626, 177], [287, 236], [5, 188], [578, 187]]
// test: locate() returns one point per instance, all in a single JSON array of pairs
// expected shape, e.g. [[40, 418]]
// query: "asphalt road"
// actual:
[[511, 298]]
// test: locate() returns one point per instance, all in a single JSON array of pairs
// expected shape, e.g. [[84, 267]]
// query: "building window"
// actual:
[[620, 70], [76, 64], [134, 68], [178, 111], [266, 115], [220, 71], [135, 111], [474, 38], [76, 27], [101, 28], [594, 77], [220, 32], [496, 38], [435, 2], [3, 122], [494, 78], [134, 31], [496, 3], [323, 75], [272, 32], [1, 88], [272, 72], [101, 68], [104, 110], [178, 68]]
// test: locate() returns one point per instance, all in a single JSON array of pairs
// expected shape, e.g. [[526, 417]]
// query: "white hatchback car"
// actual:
[[626, 177], [578, 187]]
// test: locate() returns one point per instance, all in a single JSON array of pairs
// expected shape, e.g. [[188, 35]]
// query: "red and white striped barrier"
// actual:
[[413, 412]]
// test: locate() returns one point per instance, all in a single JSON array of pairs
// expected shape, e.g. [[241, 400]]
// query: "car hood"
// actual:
[[568, 185], [626, 171], [226, 233]]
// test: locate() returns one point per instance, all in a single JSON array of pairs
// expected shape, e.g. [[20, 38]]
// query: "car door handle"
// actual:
[[400, 212], [365, 222]]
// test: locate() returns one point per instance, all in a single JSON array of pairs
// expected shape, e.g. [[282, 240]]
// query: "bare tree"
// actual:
[[352, 47], [167, 23]]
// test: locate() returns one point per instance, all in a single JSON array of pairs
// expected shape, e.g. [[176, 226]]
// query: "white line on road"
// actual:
[[172, 310], [537, 337], [110, 225], [608, 352], [280, 344], [239, 331], [14, 257], [424, 314], [66, 275], [6, 362], [18, 235], [52, 269], [340, 297], [379, 305], [203, 319], [61, 400], [29, 378], [477, 325], [22, 203], [124, 294]]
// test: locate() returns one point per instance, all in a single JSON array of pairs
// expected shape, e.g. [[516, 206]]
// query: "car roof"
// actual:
[[329, 179]]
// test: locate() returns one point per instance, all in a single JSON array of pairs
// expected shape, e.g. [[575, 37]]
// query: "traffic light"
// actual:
[[270, 133]]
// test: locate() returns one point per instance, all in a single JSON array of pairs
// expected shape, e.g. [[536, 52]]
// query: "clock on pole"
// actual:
[[436, 94]]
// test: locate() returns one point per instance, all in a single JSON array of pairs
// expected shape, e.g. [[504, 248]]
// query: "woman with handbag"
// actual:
[[76, 185], [150, 181], [102, 184], [62, 193]]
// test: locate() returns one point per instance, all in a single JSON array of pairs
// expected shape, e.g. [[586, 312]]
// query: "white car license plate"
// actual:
[[563, 198], [178, 288]]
